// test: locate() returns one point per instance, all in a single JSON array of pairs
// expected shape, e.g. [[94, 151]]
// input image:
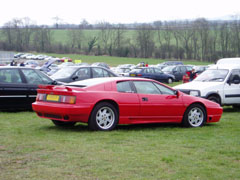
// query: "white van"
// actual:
[[219, 83]]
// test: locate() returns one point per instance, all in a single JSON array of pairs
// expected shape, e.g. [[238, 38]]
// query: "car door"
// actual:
[[158, 103], [159, 75], [128, 101], [149, 73], [100, 72], [13, 90], [81, 74], [231, 89], [177, 73], [33, 79]]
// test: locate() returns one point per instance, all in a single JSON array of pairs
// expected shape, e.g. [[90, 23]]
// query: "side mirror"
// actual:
[[236, 81], [176, 93], [75, 77]]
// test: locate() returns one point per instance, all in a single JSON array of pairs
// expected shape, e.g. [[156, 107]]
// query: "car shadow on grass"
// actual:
[[83, 127], [231, 109]]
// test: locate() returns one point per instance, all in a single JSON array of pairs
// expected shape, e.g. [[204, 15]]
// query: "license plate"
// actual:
[[132, 74], [51, 97]]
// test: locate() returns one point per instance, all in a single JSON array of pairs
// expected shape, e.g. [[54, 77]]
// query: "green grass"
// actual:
[[33, 148], [114, 61]]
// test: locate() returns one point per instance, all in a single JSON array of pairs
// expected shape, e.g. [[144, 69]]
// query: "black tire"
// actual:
[[170, 81], [214, 99], [236, 106], [194, 116], [104, 117], [63, 124]]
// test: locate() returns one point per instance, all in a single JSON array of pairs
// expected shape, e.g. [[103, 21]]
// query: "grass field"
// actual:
[[33, 148], [114, 61]]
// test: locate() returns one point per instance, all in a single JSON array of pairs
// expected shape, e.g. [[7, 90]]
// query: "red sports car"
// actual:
[[105, 102]]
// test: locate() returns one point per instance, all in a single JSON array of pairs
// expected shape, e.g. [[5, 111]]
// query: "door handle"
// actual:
[[144, 99]]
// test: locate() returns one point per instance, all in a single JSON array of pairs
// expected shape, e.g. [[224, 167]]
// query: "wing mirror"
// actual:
[[176, 92], [75, 77]]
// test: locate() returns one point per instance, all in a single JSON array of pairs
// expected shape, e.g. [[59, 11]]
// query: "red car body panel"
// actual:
[[158, 108]]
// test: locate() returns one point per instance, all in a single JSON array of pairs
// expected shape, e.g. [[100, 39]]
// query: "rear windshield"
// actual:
[[64, 72], [137, 70]]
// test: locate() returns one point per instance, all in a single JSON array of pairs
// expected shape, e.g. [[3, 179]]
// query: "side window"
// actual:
[[164, 90], [144, 87], [105, 73], [97, 72], [32, 77], [151, 71], [10, 76], [83, 73], [183, 69], [145, 71], [157, 71], [235, 75], [188, 68], [124, 86]]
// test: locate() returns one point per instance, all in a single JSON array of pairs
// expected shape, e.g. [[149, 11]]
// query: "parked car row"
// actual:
[[29, 56], [65, 72], [95, 95]]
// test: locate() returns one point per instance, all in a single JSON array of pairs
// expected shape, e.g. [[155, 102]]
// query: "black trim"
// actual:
[[232, 95]]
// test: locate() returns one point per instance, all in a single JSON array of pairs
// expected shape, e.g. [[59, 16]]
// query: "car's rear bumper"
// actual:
[[62, 112]]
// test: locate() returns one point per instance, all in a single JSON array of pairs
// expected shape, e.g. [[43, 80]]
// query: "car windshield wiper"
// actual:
[[214, 79]]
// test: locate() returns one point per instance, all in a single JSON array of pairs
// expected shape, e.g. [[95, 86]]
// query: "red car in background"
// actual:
[[65, 59], [105, 102]]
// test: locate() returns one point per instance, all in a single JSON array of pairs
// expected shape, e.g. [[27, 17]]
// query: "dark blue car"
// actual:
[[152, 73]]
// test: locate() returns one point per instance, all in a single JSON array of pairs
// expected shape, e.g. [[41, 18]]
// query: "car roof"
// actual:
[[229, 61], [94, 81], [15, 67], [225, 66]]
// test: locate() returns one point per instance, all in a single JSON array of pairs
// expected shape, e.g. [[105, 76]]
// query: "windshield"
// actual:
[[217, 75], [64, 72]]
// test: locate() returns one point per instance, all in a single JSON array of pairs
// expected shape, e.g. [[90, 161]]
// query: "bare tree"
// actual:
[[145, 40], [224, 39], [186, 33], [75, 37]]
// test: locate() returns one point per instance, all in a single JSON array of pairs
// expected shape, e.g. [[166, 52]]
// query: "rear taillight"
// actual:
[[41, 97], [139, 74], [59, 98], [68, 99]]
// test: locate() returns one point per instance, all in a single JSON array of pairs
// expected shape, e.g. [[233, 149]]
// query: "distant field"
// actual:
[[114, 61]]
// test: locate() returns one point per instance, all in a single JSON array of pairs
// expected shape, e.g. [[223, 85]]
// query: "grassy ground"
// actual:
[[114, 61], [33, 148]]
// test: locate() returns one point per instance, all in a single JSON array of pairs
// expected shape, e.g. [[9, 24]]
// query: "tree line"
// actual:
[[199, 39]]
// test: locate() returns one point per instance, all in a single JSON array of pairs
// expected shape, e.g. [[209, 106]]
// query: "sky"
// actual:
[[116, 11]]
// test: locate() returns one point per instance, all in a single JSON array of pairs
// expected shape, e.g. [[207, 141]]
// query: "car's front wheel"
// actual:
[[104, 117], [195, 116], [63, 124], [214, 99], [170, 81]]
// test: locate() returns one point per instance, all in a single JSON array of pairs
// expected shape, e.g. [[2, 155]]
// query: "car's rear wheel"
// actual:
[[195, 116], [63, 124], [104, 117]]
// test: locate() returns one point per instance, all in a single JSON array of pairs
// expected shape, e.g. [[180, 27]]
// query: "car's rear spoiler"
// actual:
[[50, 87]]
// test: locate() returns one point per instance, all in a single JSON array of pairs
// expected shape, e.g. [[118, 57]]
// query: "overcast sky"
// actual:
[[116, 11]]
